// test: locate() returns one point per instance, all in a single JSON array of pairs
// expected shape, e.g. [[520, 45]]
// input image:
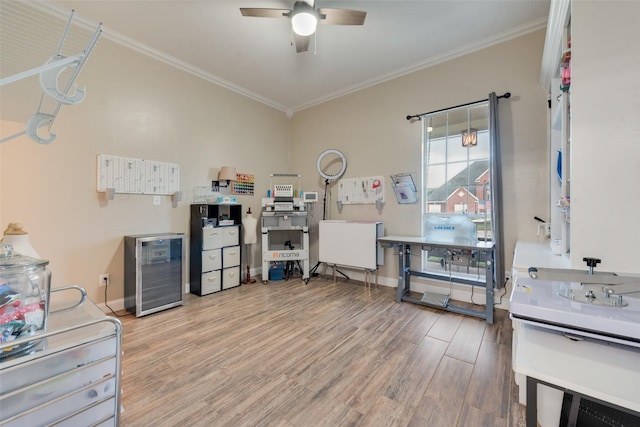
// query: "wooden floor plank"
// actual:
[[490, 385], [321, 354], [466, 342], [385, 412], [474, 417], [415, 372], [443, 400], [445, 326]]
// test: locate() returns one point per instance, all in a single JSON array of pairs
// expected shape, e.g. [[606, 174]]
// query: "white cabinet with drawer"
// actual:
[[71, 375], [230, 256], [211, 238], [211, 260], [230, 277], [211, 282], [231, 236]]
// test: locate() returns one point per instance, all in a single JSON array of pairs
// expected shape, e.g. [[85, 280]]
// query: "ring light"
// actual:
[[324, 173]]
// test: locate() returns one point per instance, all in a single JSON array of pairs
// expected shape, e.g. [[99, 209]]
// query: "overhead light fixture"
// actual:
[[469, 137], [226, 174], [304, 19]]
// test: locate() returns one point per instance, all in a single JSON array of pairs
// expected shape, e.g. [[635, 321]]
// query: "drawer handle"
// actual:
[[213, 256], [211, 279], [232, 252]]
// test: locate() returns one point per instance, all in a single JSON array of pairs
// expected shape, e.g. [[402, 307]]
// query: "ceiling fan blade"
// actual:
[[342, 16], [260, 12], [302, 42]]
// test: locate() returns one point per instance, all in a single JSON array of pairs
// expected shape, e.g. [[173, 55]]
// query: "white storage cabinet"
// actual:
[[71, 375]]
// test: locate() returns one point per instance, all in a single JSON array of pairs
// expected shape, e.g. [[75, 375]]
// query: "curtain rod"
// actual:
[[506, 96]]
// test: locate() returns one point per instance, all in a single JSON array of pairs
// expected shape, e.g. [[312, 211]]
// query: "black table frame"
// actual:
[[404, 244]]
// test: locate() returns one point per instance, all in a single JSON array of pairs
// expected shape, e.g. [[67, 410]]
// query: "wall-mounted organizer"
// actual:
[[244, 184], [361, 191], [134, 176], [404, 188]]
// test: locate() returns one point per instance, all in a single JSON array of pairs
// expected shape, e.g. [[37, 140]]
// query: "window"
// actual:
[[457, 188]]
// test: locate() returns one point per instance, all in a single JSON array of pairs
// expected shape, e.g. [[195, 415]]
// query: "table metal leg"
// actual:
[[532, 402], [489, 293], [401, 275]]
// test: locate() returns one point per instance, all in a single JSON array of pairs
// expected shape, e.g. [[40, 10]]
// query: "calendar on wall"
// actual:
[[135, 176]]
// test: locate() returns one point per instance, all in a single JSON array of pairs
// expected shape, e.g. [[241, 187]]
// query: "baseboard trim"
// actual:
[[418, 284]]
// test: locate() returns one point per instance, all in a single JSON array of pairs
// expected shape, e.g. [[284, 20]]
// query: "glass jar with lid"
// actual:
[[24, 300]]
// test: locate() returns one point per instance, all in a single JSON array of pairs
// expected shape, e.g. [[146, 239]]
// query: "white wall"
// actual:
[[370, 128], [605, 158], [138, 107], [141, 108]]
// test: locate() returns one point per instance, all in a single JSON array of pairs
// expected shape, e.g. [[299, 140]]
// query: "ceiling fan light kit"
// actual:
[[305, 18], [304, 24]]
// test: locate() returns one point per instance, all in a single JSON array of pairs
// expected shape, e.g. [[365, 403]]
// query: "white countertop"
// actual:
[[535, 254]]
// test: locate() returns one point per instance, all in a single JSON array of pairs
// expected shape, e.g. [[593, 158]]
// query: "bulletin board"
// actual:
[[135, 176], [366, 190]]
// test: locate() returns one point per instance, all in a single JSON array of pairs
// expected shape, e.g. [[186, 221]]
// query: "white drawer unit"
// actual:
[[215, 250], [230, 256], [72, 376], [230, 277], [211, 238], [211, 260], [231, 236], [211, 282]]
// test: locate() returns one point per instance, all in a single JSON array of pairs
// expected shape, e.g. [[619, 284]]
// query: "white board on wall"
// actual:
[[135, 176], [361, 191], [351, 243]]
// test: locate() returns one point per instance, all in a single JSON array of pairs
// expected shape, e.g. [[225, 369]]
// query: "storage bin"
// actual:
[[276, 272]]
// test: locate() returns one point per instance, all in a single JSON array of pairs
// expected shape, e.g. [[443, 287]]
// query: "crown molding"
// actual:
[[432, 61]]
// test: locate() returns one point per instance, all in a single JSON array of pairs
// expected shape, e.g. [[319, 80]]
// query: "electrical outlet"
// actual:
[[507, 276], [104, 280], [156, 200]]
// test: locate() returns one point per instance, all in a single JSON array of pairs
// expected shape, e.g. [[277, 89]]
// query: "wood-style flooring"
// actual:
[[321, 354]]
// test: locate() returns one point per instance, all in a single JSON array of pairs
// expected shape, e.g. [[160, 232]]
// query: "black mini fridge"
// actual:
[[154, 270]]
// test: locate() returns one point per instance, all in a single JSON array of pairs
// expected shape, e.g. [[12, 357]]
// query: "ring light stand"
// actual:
[[329, 177]]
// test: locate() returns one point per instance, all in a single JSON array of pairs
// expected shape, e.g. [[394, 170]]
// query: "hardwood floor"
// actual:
[[322, 354]]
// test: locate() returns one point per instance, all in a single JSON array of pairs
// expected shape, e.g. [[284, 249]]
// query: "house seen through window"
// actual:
[[457, 188]]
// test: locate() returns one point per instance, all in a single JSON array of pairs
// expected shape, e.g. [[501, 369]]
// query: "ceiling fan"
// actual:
[[304, 18]]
